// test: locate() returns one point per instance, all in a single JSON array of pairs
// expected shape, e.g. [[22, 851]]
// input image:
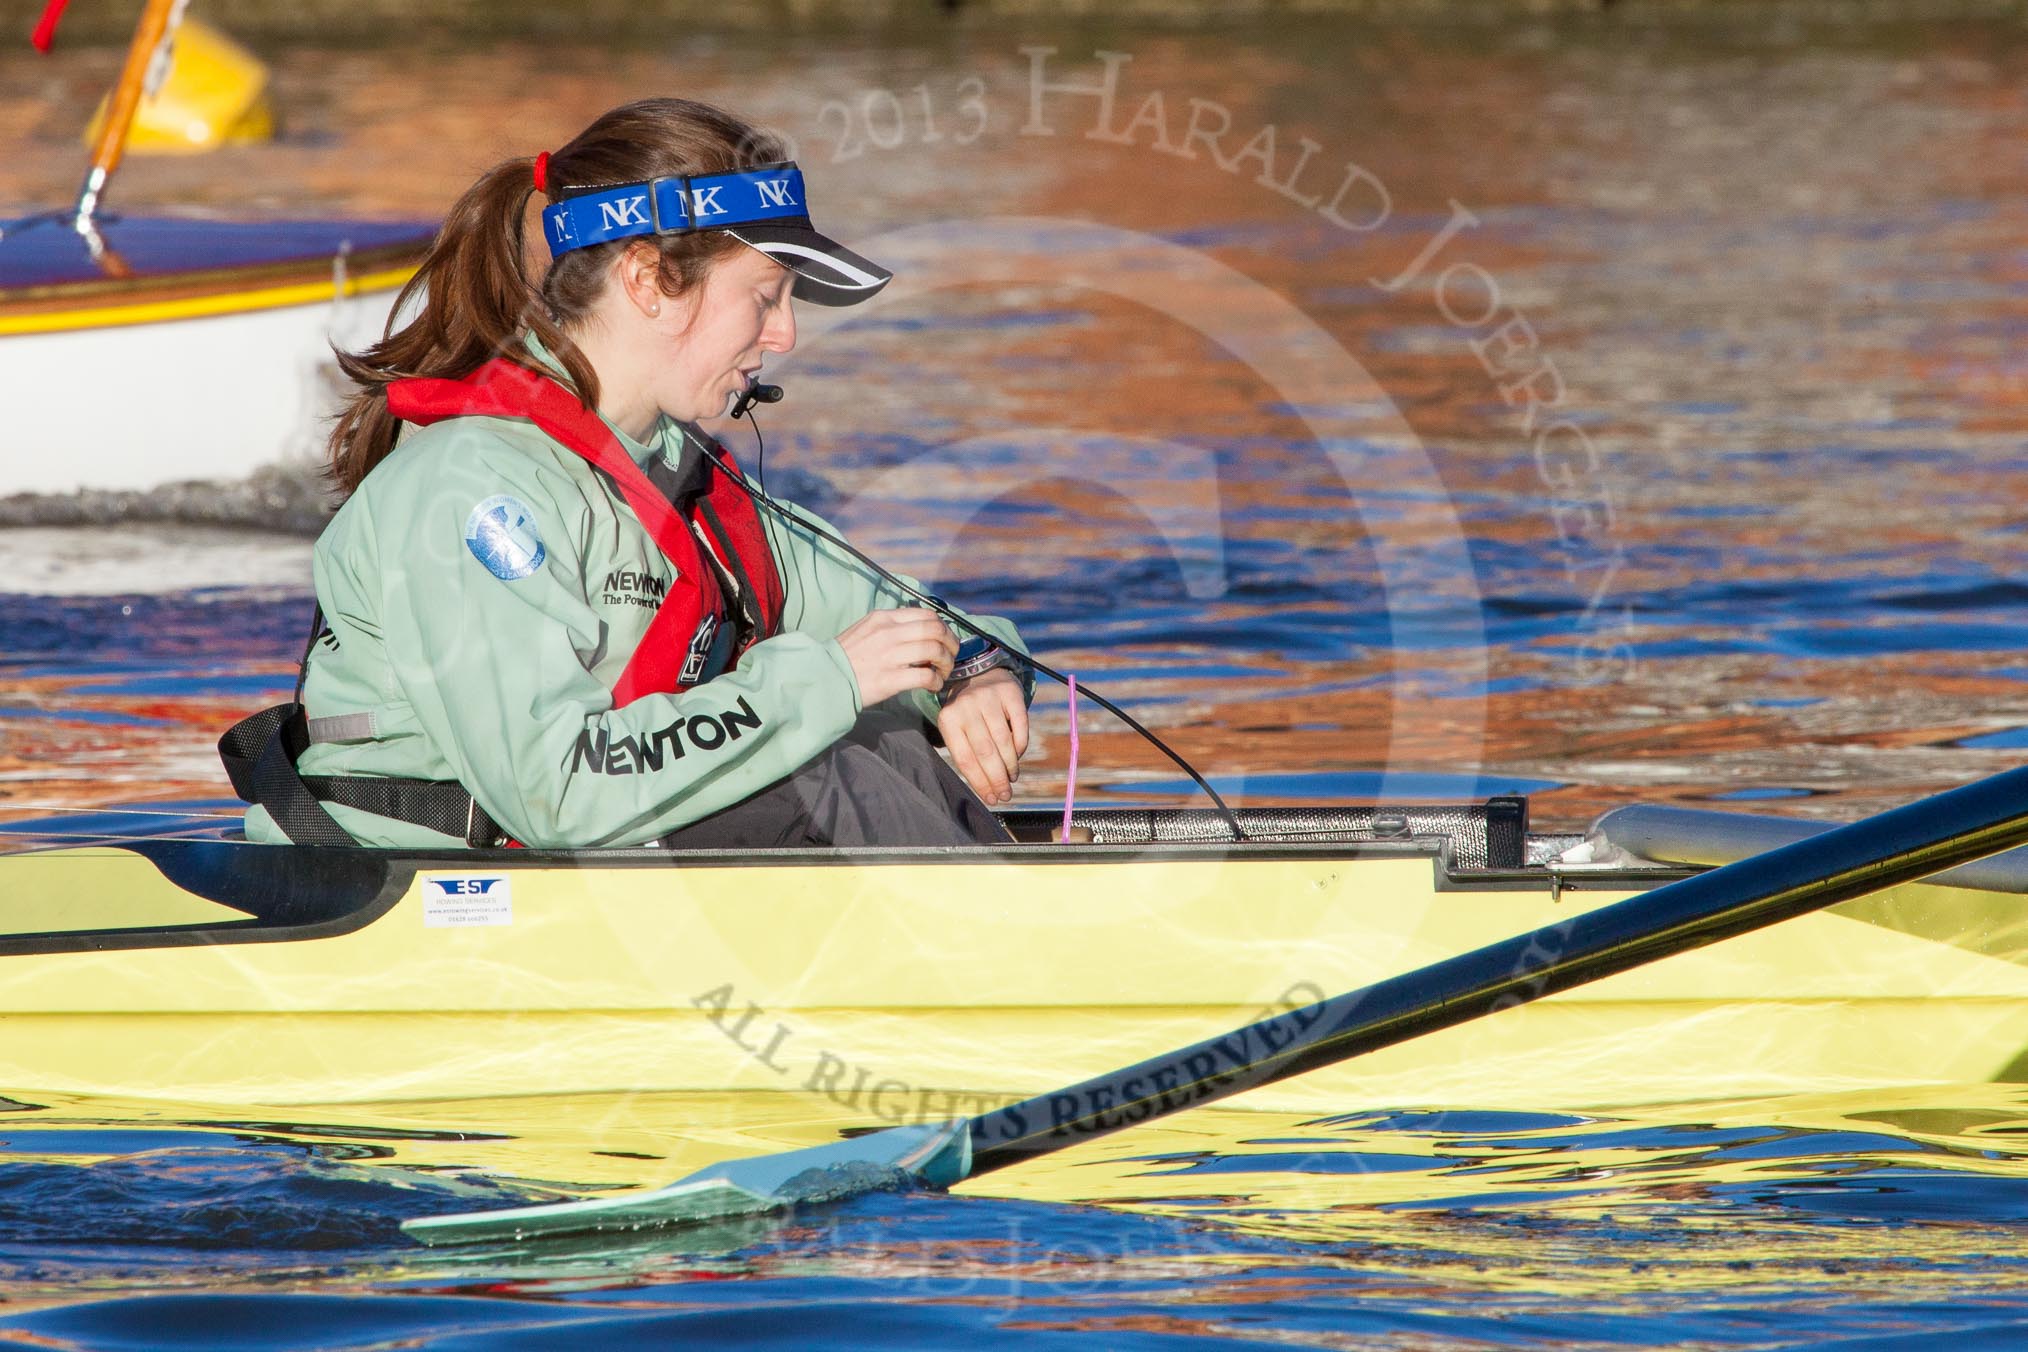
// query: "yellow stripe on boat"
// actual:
[[203, 306]]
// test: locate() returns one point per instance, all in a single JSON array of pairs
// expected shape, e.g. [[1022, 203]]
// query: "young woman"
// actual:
[[554, 613]]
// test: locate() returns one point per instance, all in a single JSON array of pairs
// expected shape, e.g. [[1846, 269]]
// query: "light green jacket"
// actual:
[[439, 666]]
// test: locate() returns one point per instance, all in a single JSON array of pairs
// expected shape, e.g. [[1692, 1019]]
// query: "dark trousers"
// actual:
[[880, 784]]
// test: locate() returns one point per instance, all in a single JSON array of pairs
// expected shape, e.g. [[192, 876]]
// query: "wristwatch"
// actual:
[[977, 656]]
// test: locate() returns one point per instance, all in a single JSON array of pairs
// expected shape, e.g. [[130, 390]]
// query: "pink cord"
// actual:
[[1070, 780]]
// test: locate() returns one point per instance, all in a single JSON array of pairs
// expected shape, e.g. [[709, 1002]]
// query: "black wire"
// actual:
[[760, 495], [760, 454]]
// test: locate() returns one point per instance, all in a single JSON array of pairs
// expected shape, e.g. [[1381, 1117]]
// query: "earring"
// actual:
[[654, 311]]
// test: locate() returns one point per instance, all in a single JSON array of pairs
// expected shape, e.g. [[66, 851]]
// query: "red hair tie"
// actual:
[[542, 172]]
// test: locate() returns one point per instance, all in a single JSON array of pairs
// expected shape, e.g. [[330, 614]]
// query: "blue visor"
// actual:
[[766, 208], [672, 206]]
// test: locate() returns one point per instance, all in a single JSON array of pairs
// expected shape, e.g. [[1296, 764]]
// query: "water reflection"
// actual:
[[1773, 272], [1821, 1220]]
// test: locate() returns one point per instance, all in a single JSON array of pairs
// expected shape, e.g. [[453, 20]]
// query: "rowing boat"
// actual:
[[206, 313], [186, 964], [182, 317]]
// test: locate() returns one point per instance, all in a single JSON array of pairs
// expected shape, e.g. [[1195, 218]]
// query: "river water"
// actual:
[[1620, 407]]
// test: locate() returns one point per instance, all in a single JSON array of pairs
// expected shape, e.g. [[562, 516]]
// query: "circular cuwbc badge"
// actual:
[[501, 533]]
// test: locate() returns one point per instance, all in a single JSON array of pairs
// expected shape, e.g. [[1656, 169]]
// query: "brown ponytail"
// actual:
[[478, 300]]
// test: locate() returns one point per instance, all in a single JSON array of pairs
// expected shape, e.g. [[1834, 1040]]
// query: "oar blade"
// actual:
[[935, 1155]]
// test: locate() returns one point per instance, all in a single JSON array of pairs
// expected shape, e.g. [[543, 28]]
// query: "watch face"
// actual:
[[967, 667]]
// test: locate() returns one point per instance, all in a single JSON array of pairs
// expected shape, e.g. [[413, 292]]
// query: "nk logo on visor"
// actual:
[[672, 206]]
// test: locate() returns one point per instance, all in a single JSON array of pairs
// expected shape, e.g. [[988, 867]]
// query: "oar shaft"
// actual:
[[1895, 847], [125, 99]]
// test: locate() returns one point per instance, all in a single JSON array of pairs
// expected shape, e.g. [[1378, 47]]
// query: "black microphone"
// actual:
[[755, 393]]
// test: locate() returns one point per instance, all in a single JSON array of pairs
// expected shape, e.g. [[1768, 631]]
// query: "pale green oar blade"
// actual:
[[938, 1155]]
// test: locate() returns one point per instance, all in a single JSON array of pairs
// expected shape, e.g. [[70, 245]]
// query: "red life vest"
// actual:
[[505, 389]]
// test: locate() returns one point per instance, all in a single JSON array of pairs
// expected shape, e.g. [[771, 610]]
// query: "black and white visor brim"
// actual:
[[827, 273]]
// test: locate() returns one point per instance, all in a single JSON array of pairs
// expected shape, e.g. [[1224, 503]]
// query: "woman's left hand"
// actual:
[[985, 725]]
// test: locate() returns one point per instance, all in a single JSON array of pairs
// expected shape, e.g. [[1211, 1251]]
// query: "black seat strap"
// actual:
[[271, 779], [438, 805], [260, 754]]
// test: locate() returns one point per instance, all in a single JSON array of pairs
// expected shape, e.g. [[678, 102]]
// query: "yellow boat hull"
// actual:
[[904, 990]]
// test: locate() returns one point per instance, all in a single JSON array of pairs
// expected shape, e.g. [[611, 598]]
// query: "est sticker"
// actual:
[[468, 899]]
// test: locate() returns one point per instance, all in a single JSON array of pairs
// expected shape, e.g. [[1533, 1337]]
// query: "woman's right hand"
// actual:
[[896, 650]]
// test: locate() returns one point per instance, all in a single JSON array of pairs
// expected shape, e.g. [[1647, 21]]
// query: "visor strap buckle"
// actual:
[[680, 195]]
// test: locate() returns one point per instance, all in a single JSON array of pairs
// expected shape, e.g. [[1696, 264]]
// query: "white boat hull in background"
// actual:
[[183, 349], [136, 406]]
